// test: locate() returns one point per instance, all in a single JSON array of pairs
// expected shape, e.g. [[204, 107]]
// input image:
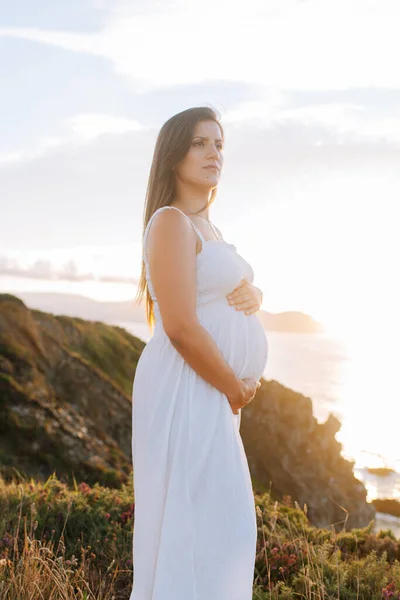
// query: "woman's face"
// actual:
[[206, 149]]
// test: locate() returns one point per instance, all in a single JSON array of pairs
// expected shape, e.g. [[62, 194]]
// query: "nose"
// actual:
[[214, 152]]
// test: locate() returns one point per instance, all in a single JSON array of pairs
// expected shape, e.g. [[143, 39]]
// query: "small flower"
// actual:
[[5, 562], [84, 488]]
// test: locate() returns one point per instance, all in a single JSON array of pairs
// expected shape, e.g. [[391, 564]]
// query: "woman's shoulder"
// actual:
[[164, 215], [165, 223]]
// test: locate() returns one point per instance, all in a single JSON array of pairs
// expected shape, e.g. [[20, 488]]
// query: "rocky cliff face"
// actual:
[[290, 453], [65, 405], [65, 395]]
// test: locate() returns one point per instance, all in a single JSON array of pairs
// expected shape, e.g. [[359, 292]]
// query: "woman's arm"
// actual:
[[171, 252]]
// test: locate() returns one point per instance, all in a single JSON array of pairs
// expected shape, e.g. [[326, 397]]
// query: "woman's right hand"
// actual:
[[246, 393]]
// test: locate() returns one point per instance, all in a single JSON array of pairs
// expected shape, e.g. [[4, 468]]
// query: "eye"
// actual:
[[220, 146]]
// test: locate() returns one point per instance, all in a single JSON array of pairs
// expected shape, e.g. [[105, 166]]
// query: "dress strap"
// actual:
[[146, 233], [214, 230], [191, 222]]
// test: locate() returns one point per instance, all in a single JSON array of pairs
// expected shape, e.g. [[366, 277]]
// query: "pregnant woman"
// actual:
[[195, 526]]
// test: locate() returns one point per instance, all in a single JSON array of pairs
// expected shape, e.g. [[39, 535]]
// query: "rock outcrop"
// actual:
[[290, 453], [65, 395]]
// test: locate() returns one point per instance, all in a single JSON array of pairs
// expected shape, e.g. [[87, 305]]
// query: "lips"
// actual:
[[212, 167]]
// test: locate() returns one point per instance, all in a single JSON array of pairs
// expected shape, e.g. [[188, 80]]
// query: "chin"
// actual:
[[213, 178]]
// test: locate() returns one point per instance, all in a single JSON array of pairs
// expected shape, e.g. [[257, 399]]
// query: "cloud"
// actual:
[[270, 49], [325, 122], [90, 126], [44, 269], [86, 193], [11, 157], [288, 45], [79, 129], [346, 121]]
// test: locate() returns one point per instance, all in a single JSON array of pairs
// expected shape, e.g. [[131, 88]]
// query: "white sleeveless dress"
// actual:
[[195, 528]]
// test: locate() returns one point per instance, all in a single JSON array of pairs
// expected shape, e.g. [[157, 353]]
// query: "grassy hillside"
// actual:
[[65, 395], [69, 542]]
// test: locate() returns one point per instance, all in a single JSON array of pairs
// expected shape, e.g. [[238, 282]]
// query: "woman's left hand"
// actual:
[[246, 296]]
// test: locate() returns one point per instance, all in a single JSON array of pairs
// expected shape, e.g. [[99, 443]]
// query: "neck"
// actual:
[[193, 205]]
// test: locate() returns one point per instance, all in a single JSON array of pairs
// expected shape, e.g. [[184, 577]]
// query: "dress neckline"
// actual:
[[212, 227], [214, 242]]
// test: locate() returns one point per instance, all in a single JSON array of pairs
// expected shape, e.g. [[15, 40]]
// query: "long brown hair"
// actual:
[[173, 143]]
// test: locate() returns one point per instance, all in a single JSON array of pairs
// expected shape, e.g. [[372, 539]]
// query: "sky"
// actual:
[[309, 97]]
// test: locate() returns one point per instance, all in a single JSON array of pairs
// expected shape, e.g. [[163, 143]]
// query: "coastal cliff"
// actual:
[[65, 387], [65, 406], [290, 453]]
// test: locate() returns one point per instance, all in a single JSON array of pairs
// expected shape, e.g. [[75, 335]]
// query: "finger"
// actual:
[[238, 294], [237, 300], [244, 299], [241, 301], [246, 305], [251, 305], [239, 287], [243, 296]]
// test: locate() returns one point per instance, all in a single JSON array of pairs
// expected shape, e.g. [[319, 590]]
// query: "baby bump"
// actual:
[[240, 338]]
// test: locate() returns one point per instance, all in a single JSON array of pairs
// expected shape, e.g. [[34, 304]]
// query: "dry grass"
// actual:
[[63, 543]]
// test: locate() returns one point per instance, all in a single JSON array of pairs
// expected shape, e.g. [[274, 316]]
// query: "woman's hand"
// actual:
[[247, 297], [244, 395]]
